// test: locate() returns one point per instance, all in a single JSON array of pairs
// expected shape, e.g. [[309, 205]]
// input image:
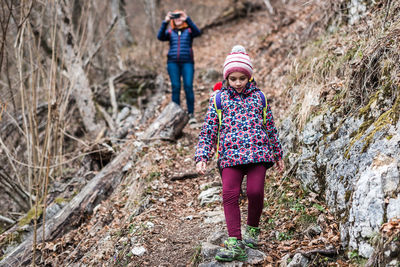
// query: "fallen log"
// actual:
[[168, 125], [184, 176], [99, 188], [323, 252]]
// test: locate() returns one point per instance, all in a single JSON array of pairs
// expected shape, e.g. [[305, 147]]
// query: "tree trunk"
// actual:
[[150, 7], [98, 189], [124, 35], [79, 81], [154, 101]]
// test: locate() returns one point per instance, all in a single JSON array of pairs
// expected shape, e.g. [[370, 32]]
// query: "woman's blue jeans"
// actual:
[[186, 70]]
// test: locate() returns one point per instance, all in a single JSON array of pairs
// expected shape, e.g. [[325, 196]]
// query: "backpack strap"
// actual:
[[264, 103], [218, 108]]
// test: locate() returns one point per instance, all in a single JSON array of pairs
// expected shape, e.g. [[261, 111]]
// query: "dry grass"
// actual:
[[349, 65]]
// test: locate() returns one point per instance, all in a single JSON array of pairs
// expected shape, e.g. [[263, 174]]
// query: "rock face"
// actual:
[[352, 161]]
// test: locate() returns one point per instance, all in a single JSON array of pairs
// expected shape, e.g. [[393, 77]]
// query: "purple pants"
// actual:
[[231, 183]]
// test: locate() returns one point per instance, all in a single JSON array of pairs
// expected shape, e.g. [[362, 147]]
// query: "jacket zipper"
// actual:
[[179, 44]]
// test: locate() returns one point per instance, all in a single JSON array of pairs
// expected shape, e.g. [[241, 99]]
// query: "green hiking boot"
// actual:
[[250, 237], [234, 250]]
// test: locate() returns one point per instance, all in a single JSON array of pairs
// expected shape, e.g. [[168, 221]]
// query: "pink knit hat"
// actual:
[[238, 61]]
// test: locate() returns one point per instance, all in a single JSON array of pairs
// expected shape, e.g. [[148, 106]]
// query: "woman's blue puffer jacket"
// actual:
[[180, 41]]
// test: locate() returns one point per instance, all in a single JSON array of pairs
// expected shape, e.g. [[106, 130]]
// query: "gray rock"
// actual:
[[365, 250], [210, 195], [217, 237], [208, 250], [313, 230], [149, 225], [393, 209], [298, 261], [220, 264], [284, 260], [357, 10], [287, 136], [307, 170], [209, 185], [393, 263], [189, 218], [313, 131], [213, 217], [138, 251], [255, 256]]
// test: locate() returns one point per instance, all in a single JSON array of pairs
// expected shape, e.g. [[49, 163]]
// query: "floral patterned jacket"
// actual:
[[243, 137]]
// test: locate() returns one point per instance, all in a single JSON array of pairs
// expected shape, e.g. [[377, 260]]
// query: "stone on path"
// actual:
[[138, 251], [210, 195], [298, 261]]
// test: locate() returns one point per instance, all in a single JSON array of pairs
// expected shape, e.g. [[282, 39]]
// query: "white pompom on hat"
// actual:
[[238, 61]]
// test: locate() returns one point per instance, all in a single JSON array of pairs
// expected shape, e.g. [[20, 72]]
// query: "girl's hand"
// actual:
[[168, 16], [280, 165], [201, 167]]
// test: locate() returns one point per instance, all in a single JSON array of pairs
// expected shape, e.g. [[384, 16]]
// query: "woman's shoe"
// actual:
[[192, 119]]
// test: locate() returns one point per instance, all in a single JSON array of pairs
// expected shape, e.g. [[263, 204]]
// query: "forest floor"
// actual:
[[169, 223]]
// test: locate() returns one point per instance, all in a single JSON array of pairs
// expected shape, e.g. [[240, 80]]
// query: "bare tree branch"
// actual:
[[14, 190], [96, 48], [269, 7], [7, 220], [112, 97]]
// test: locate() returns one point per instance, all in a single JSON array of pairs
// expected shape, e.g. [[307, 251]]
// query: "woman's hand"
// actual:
[[280, 165], [201, 167], [183, 15], [168, 16]]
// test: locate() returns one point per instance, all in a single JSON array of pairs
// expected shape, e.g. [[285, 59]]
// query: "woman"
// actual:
[[180, 63]]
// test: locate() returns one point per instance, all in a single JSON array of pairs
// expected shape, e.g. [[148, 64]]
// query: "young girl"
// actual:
[[246, 147]]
